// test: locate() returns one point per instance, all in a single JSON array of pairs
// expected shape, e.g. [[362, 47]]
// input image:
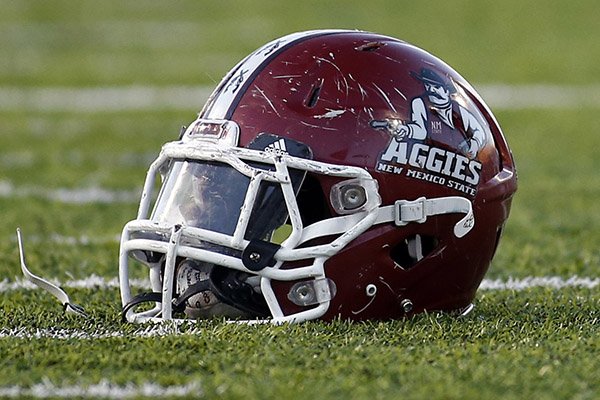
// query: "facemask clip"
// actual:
[[259, 254]]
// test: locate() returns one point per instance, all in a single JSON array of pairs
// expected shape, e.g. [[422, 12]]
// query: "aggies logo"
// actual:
[[441, 110], [278, 148]]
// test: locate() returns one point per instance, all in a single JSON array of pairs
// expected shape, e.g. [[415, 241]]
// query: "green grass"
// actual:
[[541, 344], [536, 343], [554, 226], [85, 149]]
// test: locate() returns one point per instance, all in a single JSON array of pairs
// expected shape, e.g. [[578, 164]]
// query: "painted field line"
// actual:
[[154, 330], [145, 331], [102, 389], [91, 282], [83, 240], [517, 284], [540, 96], [71, 158], [141, 98], [87, 195], [103, 99], [553, 282]]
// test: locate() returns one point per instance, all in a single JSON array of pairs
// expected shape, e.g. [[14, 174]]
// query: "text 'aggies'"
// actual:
[[441, 166]]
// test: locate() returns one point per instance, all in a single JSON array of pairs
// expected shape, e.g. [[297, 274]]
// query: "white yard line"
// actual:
[[152, 330], [103, 389], [73, 158], [86, 195], [144, 331], [540, 96], [553, 282], [91, 282], [103, 99], [82, 240], [517, 284], [146, 98]]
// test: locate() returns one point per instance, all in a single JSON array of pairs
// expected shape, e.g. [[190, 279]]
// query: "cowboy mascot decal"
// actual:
[[437, 114]]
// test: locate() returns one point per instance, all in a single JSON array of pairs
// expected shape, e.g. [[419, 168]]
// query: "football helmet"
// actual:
[[331, 174]]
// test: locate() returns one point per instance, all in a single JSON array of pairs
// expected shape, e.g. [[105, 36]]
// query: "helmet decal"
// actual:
[[440, 120]]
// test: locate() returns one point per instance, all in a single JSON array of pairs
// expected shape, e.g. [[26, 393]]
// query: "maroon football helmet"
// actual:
[[331, 174]]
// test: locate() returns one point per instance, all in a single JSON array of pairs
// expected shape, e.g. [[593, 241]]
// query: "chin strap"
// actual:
[[231, 292], [149, 297], [402, 212], [178, 303], [47, 286], [419, 210]]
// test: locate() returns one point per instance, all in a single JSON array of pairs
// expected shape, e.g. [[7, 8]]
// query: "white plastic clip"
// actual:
[[406, 211], [51, 288], [411, 211]]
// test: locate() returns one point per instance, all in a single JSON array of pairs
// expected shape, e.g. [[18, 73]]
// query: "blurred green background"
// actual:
[[70, 177], [196, 42]]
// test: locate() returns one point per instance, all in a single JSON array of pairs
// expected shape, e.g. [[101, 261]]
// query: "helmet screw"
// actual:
[[371, 290], [254, 256], [407, 305]]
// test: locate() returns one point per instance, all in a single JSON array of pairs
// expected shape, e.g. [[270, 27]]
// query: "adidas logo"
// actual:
[[277, 148]]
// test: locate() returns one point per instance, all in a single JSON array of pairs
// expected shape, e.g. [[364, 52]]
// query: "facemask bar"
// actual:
[[171, 242]]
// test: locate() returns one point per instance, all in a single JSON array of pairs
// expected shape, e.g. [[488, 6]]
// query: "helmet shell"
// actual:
[[344, 93]]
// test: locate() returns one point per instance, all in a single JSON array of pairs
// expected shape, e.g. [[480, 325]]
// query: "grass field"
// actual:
[[70, 178]]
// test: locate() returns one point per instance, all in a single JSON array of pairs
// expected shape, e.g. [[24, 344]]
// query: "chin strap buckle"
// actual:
[[411, 211], [406, 211]]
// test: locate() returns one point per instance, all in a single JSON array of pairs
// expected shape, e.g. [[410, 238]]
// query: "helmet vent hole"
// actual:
[[313, 96], [371, 46], [412, 250]]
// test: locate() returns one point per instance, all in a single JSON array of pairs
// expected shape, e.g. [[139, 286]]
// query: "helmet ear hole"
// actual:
[[412, 249]]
